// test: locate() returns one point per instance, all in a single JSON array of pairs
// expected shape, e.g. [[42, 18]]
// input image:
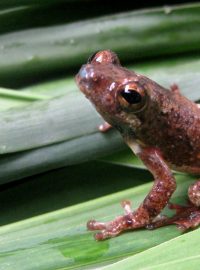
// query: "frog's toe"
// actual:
[[94, 225], [104, 234], [126, 204], [107, 229], [99, 236]]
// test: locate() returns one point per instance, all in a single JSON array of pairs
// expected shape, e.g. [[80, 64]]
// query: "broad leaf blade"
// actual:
[[181, 253], [66, 134], [59, 239], [28, 127], [124, 157], [74, 184], [46, 50]]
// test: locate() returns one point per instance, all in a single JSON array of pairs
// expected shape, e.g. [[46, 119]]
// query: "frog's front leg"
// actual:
[[156, 200]]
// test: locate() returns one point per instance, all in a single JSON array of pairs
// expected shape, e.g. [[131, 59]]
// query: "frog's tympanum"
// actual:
[[161, 126]]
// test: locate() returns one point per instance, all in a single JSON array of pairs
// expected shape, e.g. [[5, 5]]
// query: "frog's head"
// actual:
[[118, 94]]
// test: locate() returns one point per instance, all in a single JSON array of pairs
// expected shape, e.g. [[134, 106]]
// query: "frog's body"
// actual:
[[161, 126], [171, 122]]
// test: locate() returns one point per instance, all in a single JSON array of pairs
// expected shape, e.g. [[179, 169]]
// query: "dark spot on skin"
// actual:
[[128, 220]]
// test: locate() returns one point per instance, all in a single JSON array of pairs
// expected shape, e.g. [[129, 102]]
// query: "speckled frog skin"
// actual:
[[161, 126]]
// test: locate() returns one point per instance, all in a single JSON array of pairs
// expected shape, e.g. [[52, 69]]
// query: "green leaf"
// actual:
[[16, 3], [182, 253], [65, 121], [125, 158], [59, 239], [74, 184], [59, 134], [10, 98], [22, 164], [46, 50]]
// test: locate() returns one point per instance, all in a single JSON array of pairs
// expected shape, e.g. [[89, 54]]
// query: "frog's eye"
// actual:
[[131, 97], [104, 57], [92, 57]]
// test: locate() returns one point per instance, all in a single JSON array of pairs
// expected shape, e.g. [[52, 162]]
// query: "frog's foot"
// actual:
[[104, 127], [186, 217], [116, 226]]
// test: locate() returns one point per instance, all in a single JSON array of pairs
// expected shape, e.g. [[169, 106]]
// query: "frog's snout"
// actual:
[[86, 78], [81, 79], [86, 73], [82, 72]]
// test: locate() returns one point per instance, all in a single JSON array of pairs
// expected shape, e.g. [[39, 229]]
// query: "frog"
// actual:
[[162, 128]]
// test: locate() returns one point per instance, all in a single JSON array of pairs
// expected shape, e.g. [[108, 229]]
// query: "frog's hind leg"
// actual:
[[186, 217]]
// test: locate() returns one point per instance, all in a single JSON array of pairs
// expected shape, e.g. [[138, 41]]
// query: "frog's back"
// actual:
[[175, 129]]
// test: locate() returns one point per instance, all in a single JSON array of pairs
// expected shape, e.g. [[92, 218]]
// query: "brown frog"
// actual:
[[161, 126]]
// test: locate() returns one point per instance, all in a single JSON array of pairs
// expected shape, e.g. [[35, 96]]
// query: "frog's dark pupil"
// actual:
[[131, 96]]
